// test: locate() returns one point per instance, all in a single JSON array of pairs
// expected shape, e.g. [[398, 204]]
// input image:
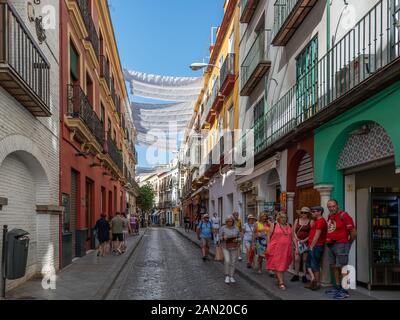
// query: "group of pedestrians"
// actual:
[[112, 234], [273, 240]]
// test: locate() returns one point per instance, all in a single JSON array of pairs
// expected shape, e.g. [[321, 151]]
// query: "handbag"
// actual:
[[219, 255], [303, 248], [232, 243], [252, 253]]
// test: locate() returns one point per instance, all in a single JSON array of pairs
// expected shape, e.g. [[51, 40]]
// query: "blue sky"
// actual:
[[164, 36]]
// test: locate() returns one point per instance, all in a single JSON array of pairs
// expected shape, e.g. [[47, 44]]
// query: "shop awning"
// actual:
[[270, 164], [199, 191]]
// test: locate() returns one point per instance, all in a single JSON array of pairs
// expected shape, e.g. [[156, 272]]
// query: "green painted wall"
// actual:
[[383, 108]]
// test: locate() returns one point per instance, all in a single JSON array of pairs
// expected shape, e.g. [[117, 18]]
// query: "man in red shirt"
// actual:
[[316, 243], [341, 234]]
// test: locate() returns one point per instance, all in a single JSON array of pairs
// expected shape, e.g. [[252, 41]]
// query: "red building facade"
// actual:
[[96, 136]]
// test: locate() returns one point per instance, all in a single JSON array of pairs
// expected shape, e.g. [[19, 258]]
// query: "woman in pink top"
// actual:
[[279, 252]]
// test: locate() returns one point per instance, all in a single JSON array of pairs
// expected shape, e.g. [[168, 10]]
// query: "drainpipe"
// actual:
[[328, 46]]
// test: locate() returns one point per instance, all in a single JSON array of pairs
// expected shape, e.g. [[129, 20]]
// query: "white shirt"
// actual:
[[215, 222]]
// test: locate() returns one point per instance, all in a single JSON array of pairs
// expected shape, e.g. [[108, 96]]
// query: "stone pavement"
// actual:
[[87, 278], [295, 291]]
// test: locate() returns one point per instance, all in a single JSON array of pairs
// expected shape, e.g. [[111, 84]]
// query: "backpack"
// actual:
[[352, 233], [201, 227]]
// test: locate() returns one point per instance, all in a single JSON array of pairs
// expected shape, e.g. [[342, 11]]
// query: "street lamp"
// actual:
[[199, 65]]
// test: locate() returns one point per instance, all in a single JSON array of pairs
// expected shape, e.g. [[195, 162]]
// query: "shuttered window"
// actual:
[[74, 60]]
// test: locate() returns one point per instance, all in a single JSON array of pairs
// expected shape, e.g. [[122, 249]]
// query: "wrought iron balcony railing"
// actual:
[[247, 9], [79, 107], [366, 57], [114, 152], [90, 26], [288, 16], [105, 70], [24, 70], [228, 74], [256, 64]]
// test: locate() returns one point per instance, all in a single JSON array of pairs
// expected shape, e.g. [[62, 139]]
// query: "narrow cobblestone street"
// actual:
[[167, 266]]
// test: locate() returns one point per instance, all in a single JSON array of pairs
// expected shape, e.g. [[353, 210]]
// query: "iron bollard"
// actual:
[[4, 263]]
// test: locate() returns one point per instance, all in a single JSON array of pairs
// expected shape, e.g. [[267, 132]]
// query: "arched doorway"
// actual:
[[306, 195], [25, 184], [372, 196]]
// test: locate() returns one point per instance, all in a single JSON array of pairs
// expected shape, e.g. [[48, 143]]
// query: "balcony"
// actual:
[[92, 37], [24, 70], [288, 16], [83, 121], [248, 8], [228, 76], [207, 109], [365, 61], [256, 64], [115, 154], [115, 99], [217, 101], [105, 71]]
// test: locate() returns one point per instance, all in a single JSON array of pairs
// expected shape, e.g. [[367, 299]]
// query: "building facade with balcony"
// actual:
[[29, 134], [97, 157], [326, 108], [215, 119]]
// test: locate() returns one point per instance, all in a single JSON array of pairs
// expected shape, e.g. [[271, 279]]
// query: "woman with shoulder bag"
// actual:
[[260, 239], [279, 253], [301, 231], [229, 236], [248, 232]]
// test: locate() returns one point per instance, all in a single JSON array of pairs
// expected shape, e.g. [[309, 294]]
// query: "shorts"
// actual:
[[339, 254], [205, 242], [248, 244], [118, 237], [314, 258]]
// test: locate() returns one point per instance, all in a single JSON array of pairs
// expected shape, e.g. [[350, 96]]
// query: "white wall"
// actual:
[[34, 143]]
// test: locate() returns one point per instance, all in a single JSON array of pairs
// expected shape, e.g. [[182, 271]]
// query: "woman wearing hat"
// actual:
[[229, 236], [301, 231], [248, 232], [261, 238]]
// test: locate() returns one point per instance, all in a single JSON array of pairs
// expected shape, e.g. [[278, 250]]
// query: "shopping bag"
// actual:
[[219, 256], [252, 252], [256, 264]]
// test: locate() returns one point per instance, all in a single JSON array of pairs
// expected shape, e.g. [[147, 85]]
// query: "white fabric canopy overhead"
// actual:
[[178, 89], [162, 125]]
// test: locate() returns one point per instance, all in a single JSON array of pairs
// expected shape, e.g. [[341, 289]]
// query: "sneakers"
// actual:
[[295, 279], [232, 280], [331, 291], [227, 280], [340, 295], [240, 259]]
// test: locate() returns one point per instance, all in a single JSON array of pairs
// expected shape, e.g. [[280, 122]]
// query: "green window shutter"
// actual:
[[74, 58], [307, 77]]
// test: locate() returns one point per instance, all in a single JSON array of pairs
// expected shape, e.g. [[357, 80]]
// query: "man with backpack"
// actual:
[[340, 237], [204, 233]]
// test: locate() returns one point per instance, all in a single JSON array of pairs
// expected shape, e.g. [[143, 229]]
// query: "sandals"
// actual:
[[282, 286]]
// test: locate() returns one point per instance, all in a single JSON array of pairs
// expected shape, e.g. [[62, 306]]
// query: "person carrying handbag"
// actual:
[[301, 231], [230, 239], [260, 240], [248, 231]]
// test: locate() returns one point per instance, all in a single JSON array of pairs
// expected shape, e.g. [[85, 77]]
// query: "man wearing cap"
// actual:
[[204, 233], [316, 242]]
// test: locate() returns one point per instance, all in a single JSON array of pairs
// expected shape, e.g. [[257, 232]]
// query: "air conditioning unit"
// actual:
[[354, 73]]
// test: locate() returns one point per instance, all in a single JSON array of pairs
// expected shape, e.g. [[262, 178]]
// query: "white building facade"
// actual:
[[29, 130]]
